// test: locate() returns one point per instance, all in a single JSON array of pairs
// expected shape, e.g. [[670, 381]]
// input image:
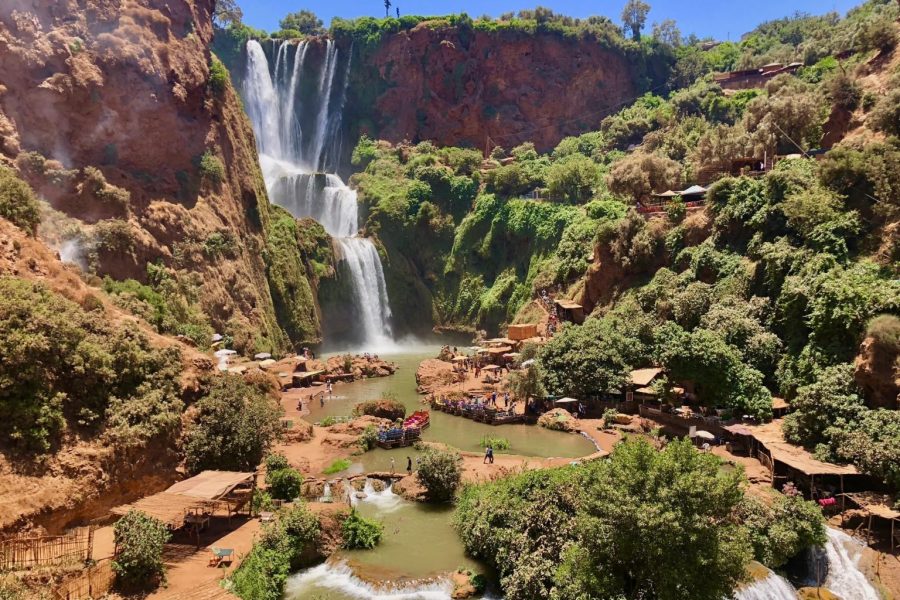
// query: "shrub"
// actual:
[[284, 484], [609, 417], [573, 179], [783, 528], [63, 367], [360, 533], [676, 210], [845, 92], [211, 167], [498, 444], [440, 473], [18, 204], [886, 114], [281, 548], [139, 539], [236, 424], [368, 438], [276, 462], [341, 464], [262, 500], [218, 76]]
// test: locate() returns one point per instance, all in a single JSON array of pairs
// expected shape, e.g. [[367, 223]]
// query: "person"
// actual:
[[506, 399], [322, 401], [494, 398], [408, 465], [328, 388], [392, 465], [489, 455]]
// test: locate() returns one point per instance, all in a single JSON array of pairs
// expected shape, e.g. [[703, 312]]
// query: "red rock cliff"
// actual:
[[513, 86]]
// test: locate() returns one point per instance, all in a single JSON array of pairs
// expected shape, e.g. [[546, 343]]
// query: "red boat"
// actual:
[[419, 420]]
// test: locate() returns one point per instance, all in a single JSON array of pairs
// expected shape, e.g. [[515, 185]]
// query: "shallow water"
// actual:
[[465, 434], [418, 549]]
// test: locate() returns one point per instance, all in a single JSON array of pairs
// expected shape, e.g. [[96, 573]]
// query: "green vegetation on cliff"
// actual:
[[69, 368]]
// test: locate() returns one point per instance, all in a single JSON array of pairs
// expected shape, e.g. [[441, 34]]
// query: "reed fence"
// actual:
[[93, 582], [27, 552]]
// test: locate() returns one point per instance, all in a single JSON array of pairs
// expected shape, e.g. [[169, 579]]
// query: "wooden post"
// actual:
[[869, 530]]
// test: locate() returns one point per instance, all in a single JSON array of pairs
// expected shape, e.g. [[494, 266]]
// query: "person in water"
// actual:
[[408, 465], [392, 465], [489, 455]]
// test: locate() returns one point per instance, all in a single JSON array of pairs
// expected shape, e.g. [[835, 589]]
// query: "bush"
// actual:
[[609, 417], [886, 114], [282, 548], [676, 210], [360, 533], [845, 92], [18, 204], [440, 473], [284, 484], [236, 424], [261, 501], [276, 462], [498, 444], [218, 76], [368, 438], [139, 539], [211, 167], [65, 367], [782, 529]]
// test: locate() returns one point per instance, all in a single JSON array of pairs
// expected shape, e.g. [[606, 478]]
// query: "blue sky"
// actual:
[[716, 18]]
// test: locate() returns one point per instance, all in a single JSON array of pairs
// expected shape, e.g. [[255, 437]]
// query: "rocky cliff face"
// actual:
[[110, 112], [460, 87]]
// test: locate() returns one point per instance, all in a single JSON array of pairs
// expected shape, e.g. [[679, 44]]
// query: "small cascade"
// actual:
[[339, 578], [844, 577], [384, 501], [224, 355], [295, 108], [771, 587], [326, 494]]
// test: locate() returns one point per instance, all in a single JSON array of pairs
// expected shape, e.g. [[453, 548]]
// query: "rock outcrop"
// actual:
[[111, 112], [461, 87]]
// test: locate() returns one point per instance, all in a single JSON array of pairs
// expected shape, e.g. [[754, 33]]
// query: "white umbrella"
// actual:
[[566, 400], [528, 362], [704, 435], [262, 356]]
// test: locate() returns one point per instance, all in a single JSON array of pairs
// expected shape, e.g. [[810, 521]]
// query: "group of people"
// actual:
[[553, 319], [487, 400]]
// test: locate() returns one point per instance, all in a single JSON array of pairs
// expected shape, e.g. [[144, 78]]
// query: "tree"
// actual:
[[440, 473], [360, 533], [640, 174], [387, 8], [782, 528], [284, 484], [634, 15], [18, 204], [139, 540], [573, 179], [526, 383], [667, 32], [227, 13], [657, 524], [825, 407], [305, 21], [235, 425]]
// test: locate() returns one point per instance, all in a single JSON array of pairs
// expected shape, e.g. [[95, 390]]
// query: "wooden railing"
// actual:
[[23, 552]]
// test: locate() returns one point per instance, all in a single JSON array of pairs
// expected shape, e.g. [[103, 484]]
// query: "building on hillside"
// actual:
[[569, 311], [693, 197], [746, 79]]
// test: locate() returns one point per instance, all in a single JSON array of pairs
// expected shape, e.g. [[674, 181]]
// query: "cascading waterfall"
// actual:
[[298, 166], [339, 577], [844, 577], [772, 587]]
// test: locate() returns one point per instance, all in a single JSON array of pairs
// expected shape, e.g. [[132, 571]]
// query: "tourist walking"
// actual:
[[488, 455], [392, 465], [329, 389], [408, 465]]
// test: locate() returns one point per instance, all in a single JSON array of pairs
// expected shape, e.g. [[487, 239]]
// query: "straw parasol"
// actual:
[[460, 358], [490, 368]]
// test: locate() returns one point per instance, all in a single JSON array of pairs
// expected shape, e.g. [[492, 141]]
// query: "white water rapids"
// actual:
[[298, 166]]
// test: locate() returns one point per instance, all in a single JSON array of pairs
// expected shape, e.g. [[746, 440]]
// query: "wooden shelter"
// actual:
[[877, 505], [569, 310], [786, 460], [203, 492]]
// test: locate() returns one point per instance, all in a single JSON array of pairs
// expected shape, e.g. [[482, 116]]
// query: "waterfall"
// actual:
[[281, 101], [339, 577], [326, 494], [771, 587], [385, 501], [844, 577]]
